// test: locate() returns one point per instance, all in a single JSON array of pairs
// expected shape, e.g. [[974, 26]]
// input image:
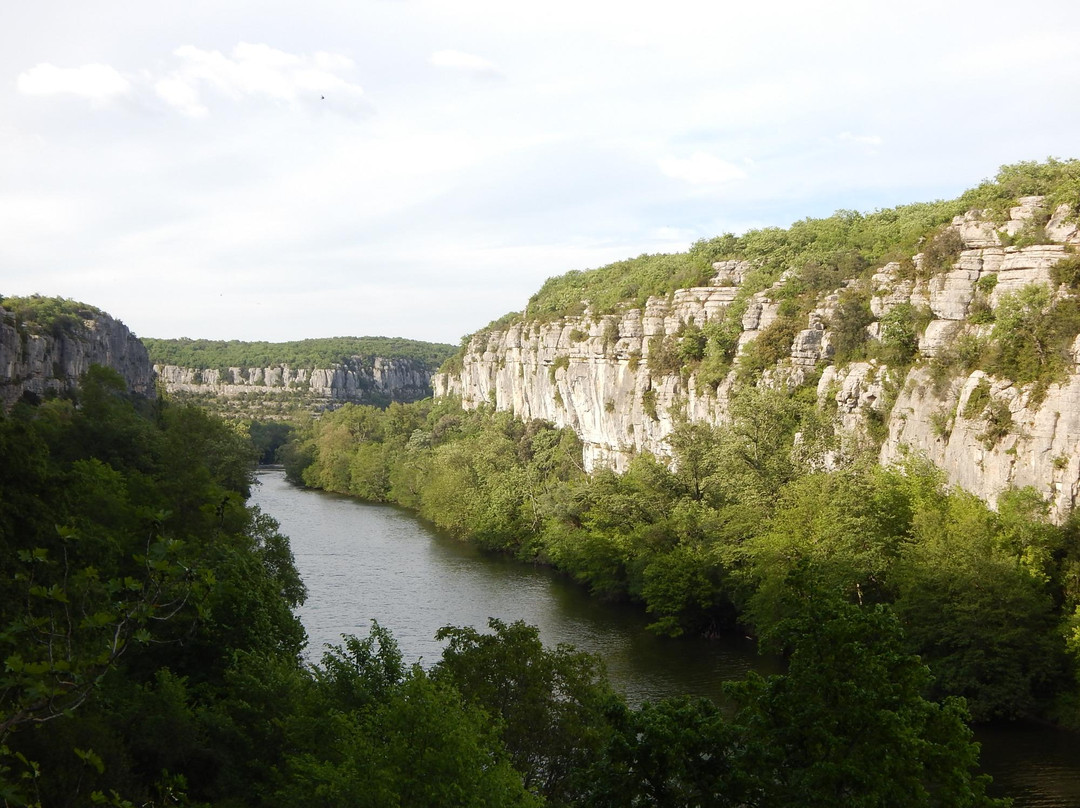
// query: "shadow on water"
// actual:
[[1038, 765], [365, 562]]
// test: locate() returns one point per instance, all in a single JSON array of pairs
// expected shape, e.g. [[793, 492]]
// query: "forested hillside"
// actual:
[[151, 657], [947, 329], [770, 438], [205, 354]]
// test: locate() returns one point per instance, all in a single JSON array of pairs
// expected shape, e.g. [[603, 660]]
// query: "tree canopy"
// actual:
[[308, 353]]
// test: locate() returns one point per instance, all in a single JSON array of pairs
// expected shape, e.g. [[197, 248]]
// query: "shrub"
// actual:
[[648, 403], [562, 362], [692, 342], [998, 423], [987, 283], [941, 422], [978, 400], [664, 356], [941, 251], [772, 345], [611, 333], [1067, 272], [1033, 335], [900, 329], [848, 325], [980, 310]]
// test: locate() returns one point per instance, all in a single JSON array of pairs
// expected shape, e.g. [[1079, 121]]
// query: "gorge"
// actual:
[[597, 373]]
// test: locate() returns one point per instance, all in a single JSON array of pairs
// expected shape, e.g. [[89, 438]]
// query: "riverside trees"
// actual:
[[151, 656], [150, 653], [985, 597]]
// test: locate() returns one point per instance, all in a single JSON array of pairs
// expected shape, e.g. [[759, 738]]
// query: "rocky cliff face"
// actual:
[[359, 380], [592, 372], [53, 361]]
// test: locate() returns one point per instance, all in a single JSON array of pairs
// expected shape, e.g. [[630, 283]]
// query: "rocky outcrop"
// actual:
[[41, 362], [593, 372], [358, 380], [1011, 442]]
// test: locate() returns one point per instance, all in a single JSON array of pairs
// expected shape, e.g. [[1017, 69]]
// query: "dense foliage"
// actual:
[[308, 353], [151, 658], [823, 251], [987, 598], [54, 315]]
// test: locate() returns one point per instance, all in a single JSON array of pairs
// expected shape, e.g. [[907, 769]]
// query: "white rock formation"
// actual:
[[592, 372], [360, 380]]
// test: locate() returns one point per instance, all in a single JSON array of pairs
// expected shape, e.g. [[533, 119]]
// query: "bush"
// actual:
[[664, 356], [978, 400], [1033, 335], [900, 329], [941, 251], [648, 403], [1067, 272]]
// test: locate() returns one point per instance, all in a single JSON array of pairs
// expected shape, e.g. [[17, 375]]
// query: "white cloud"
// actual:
[[177, 93], [257, 71], [862, 140], [701, 169], [93, 81], [467, 62]]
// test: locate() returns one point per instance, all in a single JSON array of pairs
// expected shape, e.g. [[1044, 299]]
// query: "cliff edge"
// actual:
[[47, 344], [921, 354]]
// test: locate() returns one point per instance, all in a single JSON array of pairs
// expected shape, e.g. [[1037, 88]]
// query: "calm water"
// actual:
[[369, 562]]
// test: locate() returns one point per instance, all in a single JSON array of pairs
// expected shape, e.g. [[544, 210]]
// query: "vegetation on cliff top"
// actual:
[[308, 353], [832, 249], [55, 315]]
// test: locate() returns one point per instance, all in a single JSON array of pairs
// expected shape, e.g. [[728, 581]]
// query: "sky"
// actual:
[[417, 168]]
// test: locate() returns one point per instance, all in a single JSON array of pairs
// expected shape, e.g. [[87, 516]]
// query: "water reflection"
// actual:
[[369, 562]]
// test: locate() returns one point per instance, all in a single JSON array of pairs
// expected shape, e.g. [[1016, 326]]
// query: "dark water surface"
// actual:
[[370, 562]]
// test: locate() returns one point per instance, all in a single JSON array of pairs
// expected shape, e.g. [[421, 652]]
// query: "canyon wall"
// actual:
[[39, 362], [357, 380], [592, 372]]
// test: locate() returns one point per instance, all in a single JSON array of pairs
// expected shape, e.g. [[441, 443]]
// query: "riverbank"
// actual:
[[364, 562]]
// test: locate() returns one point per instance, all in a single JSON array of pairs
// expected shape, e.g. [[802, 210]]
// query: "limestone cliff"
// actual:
[[593, 372], [41, 359], [357, 380]]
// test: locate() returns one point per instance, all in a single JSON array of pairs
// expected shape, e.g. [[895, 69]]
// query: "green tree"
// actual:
[[848, 724], [552, 704]]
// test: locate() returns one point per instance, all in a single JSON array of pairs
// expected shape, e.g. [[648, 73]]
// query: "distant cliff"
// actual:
[[47, 344], [966, 352], [357, 380], [273, 379]]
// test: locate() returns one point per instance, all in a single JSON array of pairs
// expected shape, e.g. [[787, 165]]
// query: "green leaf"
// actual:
[[91, 757]]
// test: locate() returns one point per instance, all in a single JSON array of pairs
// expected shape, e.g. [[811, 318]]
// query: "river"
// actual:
[[366, 562]]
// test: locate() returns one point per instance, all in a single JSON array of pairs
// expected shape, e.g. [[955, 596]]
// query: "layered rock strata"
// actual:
[[592, 373], [356, 380]]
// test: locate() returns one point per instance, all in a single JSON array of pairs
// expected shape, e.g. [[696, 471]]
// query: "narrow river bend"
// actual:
[[364, 562]]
